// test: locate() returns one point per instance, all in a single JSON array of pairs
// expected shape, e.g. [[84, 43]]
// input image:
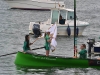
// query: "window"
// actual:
[[55, 14], [70, 15], [62, 17], [63, 14]]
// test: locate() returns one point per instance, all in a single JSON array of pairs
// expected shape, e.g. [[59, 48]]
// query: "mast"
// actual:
[[75, 40]]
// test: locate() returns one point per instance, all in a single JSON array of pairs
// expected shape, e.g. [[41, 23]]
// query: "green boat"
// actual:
[[42, 61]]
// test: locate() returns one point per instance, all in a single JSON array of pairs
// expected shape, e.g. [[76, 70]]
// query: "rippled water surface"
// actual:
[[14, 25]]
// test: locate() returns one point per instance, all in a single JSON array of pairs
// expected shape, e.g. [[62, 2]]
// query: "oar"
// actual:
[[35, 40], [38, 48], [8, 54], [17, 51], [38, 38]]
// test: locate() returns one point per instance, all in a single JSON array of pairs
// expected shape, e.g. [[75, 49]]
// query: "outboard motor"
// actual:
[[90, 46], [36, 30]]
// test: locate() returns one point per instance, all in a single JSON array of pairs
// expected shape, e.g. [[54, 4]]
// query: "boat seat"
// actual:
[[62, 21]]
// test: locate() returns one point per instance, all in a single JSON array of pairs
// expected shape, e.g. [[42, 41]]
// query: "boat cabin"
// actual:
[[61, 15]]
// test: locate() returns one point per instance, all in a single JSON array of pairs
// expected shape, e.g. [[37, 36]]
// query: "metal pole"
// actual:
[[75, 28]]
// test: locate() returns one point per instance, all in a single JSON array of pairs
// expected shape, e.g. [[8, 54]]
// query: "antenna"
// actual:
[[55, 3]]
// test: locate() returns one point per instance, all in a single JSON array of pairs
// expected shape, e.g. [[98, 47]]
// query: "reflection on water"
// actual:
[[59, 71]]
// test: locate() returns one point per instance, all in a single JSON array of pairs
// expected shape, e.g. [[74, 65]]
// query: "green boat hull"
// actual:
[[37, 60]]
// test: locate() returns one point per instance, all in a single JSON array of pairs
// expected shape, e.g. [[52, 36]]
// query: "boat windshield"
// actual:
[[70, 15], [62, 16], [55, 14]]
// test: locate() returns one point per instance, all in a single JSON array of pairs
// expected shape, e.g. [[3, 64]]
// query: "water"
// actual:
[[14, 26]]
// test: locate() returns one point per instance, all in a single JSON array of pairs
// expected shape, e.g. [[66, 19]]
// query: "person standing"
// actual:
[[47, 42]]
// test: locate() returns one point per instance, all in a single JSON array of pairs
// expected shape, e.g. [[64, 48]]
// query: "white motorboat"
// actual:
[[34, 4], [64, 19]]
